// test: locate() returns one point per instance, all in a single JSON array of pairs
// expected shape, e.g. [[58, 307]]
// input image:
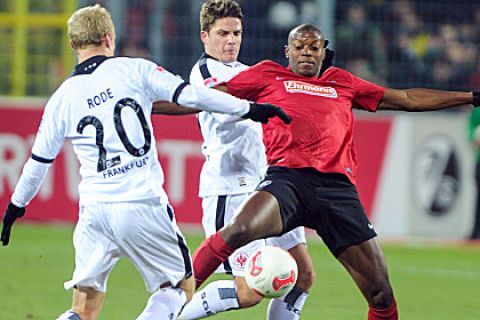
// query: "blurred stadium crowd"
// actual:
[[401, 43]]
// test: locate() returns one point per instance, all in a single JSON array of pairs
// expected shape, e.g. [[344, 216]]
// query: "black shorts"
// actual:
[[325, 202]]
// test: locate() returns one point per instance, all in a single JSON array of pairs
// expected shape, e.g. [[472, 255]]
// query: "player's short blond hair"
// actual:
[[217, 9], [89, 25]]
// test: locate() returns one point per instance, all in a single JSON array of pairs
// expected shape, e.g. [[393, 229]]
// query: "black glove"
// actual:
[[13, 212], [261, 112], [476, 99]]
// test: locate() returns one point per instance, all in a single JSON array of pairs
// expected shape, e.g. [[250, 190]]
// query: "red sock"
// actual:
[[390, 313], [206, 259]]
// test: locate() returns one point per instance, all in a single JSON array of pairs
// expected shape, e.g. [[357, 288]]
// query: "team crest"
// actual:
[[240, 260]]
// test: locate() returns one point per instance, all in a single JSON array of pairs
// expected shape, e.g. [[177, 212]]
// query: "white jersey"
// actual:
[[233, 148], [105, 107]]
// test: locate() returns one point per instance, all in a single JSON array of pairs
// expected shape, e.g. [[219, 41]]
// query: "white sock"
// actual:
[[287, 307], [217, 296], [69, 315], [165, 304]]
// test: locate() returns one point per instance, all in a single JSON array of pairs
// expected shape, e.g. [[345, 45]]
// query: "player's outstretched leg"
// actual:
[[366, 264], [216, 297], [220, 296], [259, 218]]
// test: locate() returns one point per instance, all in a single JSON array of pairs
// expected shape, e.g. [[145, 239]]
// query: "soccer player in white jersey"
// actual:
[[234, 159], [104, 108]]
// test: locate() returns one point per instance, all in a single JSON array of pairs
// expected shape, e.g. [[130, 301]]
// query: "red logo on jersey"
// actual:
[[161, 69], [210, 82], [240, 260], [293, 86]]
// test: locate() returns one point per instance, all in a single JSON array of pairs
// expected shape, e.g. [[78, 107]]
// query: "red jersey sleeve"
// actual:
[[249, 83], [367, 95]]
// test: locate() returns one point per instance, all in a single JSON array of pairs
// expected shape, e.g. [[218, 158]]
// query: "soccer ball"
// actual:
[[271, 272]]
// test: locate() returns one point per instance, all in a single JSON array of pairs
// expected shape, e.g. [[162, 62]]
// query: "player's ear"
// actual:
[[109, 39], [324, 53], [204, 36], [286, 51]]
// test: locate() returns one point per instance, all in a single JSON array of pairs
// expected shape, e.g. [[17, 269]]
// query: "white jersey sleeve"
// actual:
[[33, 174], [51, 132], [233, 147], [48, 142]]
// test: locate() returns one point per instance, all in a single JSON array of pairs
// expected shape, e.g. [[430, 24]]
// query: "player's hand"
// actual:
[[11, 214], [261, 112], [476, 99]]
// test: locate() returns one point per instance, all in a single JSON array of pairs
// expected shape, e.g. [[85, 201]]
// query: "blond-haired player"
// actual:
[[104, 108]]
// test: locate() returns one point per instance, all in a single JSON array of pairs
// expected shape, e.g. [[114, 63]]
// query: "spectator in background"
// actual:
[[405, 69], [451, 57], [361, 68], [474, 137], [408, 46], [360, 42]]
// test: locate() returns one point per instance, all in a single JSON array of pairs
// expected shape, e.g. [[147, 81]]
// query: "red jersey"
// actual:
[[321, 132]]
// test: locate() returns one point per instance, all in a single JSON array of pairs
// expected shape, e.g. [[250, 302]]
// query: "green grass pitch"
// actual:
[[431, 281]]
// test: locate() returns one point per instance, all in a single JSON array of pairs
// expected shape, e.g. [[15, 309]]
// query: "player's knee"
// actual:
[[238, 233], [306, 278], [380, 295]]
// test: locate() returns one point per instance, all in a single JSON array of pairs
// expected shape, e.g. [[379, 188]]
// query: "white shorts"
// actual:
[[143, 231], [218, 210]]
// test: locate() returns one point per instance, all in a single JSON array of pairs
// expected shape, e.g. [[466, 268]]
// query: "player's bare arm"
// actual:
[[420, 99]]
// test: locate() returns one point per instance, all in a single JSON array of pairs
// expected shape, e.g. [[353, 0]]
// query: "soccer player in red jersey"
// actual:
[[312, 163]]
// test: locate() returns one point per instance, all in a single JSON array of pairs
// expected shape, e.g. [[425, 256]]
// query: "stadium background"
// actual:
[[416, 171]]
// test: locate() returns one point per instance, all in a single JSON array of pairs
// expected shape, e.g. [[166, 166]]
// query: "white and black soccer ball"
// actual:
[[271, 272]]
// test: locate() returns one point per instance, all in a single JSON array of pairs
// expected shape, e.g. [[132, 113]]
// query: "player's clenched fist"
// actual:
[[11, 214], [262, 112]]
